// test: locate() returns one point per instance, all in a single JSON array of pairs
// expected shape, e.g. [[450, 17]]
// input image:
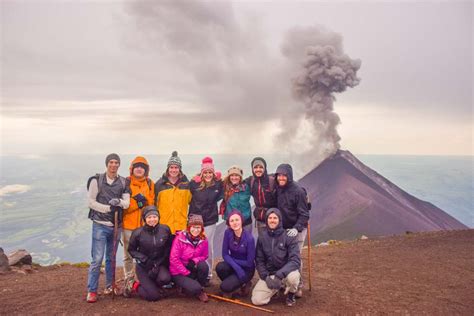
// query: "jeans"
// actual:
[[102, 243]]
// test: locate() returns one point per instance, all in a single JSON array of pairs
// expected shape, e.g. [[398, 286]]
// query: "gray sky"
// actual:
[[210, 77]]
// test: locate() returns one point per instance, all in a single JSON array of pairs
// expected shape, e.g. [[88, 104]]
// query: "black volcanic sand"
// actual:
[[425, 273]]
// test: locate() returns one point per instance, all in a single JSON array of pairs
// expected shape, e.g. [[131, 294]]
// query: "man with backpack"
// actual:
[[107, 196], [263, 189]]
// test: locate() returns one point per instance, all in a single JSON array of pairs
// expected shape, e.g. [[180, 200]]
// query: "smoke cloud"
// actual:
[[323, 71]]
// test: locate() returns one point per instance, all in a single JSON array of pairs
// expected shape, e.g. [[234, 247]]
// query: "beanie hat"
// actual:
[[110, 157], [234, 212], [195, 219], [207, 164], [258, 161], [235, 170], [140, 161], [150, 210], [175, 160]]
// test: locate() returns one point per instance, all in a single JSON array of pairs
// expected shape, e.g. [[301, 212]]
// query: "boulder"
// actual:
[[4, 265], [20, 256]]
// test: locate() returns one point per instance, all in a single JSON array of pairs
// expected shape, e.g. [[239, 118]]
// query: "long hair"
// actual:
[[203, 185], [229, 187]]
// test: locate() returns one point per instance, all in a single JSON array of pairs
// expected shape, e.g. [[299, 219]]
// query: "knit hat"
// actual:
[[207, 164], [258, 161], [140, 161], [175, 160], [110, 157], [150, 210], [235, 170], [195, 219], [234, 212]]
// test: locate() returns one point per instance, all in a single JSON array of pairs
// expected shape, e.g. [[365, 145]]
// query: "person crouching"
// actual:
[[278, 262], [188, 256], [238, 252], [150, 247]]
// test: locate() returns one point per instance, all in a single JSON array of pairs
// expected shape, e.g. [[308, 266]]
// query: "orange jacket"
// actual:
[[132, 216]]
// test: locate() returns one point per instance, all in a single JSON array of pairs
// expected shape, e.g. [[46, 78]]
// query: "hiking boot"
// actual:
[[291, 299], [91, 297], [245, 289], [129, 287], [203, 297]]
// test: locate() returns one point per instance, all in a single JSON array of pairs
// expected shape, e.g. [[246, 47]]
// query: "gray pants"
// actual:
[[210, 232], [261, 294], [128, 265]]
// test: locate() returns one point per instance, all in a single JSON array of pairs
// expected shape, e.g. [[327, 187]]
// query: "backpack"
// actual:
[[308, 201], [100, 180]]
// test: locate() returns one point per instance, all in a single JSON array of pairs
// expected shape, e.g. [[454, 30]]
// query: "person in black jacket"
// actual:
[[277, 261], [150, 246], [291, 201], [263, 190], [207, 189]]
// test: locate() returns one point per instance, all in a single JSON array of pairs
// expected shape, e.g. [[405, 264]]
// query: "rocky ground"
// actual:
[[425, 273]]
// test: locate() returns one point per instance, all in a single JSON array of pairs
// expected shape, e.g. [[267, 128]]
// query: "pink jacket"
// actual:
[[183, 250]]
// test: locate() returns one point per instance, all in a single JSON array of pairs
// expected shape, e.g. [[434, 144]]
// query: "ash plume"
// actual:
[[323, 70]]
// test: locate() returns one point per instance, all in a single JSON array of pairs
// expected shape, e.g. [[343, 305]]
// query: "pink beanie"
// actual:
[[207, 164]]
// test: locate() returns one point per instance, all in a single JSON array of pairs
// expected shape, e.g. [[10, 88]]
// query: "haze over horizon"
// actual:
[[143, 77]]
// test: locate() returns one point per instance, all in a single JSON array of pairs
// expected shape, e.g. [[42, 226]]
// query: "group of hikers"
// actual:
[[167, 229]]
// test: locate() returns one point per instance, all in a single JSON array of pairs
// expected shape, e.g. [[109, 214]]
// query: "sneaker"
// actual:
[[129, 287], [91, 297], [291, 299], [203, 297]]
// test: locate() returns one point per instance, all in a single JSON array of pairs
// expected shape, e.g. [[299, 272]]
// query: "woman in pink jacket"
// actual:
[[188, 257]]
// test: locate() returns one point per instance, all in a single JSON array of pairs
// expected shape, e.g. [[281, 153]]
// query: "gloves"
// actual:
[[292, 232], [273, 282], [141, 200], [114, 202], [153, 273], [191, 266]]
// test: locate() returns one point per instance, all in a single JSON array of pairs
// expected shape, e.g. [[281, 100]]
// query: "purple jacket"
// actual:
[[183, 250], [241, 256]]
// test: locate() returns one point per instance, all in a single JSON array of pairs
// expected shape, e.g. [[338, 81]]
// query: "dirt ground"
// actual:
[[428, 273]]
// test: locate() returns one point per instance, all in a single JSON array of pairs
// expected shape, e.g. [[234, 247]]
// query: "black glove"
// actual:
[[141, 200], [153, 273], [273, 282], [191, 266]]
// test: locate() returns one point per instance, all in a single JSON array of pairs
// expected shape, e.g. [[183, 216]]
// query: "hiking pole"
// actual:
[[239, 303], [114, 254], [309, 255]]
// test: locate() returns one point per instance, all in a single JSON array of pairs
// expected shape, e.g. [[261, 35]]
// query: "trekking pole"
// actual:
[[239, 303], [114, 254], [309, 255]]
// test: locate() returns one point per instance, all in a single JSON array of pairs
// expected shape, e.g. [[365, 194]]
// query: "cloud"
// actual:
[[14, 189]]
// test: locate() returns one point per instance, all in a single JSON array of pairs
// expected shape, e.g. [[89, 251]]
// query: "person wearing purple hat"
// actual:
[[238, 252]]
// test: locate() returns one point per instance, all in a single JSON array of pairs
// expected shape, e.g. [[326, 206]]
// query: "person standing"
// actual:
[[263, 190], [188, 265], [236, 197], [142, 191], [150, 246], [207, 189], [173, 195], [107, 194], [277, 260], [238, 252]]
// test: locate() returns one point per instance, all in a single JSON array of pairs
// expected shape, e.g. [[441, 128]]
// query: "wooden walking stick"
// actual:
[[309, 256], [239, 303], [114, 254]]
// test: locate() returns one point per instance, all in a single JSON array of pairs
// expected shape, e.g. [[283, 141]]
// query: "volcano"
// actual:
[[349, 200]]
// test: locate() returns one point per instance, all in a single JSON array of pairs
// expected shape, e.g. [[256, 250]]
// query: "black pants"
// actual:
[[192, 284], [150, 288], [230, 281]]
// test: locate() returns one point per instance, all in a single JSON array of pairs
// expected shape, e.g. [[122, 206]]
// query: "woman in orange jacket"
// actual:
[[142, 193]]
